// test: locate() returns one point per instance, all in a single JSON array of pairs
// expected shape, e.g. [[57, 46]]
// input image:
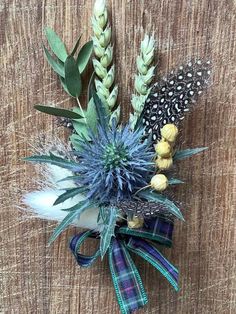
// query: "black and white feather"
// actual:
[[143, 209], [171, 98]]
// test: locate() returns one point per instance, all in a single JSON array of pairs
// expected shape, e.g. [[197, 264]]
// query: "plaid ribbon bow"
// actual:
[[128, 285]]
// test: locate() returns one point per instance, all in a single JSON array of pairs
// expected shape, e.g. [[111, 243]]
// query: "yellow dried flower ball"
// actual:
[[159, 182], [136, 222], [163, 149], [164, 163], [169, 132]]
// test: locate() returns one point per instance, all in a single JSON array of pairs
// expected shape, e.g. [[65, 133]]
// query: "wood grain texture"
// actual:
[[38, 279]]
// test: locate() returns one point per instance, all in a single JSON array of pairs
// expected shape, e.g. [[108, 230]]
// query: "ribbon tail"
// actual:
[[75, 244], [147, 251], [126, 279]]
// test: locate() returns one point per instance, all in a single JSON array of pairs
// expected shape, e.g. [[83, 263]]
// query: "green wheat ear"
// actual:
[[143, 78], [102, 63]]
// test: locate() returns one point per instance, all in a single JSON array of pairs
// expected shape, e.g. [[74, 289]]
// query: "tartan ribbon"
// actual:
[[76, 242], [128, 285], [126, 279], [158, 230]]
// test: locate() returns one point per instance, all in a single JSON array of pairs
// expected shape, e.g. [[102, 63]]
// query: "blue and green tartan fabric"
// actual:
[[157, 229], [147, 251], [128, 285], [126, 279], [76, 242]]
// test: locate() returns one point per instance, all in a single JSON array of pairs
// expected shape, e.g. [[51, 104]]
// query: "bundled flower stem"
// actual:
[[144, 77]]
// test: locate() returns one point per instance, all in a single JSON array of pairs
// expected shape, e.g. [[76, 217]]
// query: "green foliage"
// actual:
[[150, 195], [91, 115], [68, 68], [72, 77], [84, 56], [68, 194], [88, 122], [56, 44], [81, 112], [63, 84], [60, 112], [188, 153], [75, 138], [56, 65], [53, 160], [81, 129], [74, 212], [102, 110], [108, 218]]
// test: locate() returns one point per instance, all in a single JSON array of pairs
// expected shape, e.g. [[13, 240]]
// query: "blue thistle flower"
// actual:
[[115, 163]]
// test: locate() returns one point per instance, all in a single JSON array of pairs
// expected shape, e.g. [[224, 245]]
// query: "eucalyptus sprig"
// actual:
[[144, 77], [69, 67], [102, 63]]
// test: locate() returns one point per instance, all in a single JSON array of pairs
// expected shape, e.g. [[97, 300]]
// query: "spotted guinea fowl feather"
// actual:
[[171, 98], [143, 208]]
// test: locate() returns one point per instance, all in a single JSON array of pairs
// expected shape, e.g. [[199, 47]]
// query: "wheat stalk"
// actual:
[[143, 78], [103, 51]]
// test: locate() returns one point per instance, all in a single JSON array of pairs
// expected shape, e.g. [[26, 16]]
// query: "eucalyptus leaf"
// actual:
[[181, 154], [75, 212], [56, 44], [68, 194], [72, 77], [59, 112], [54, 160], [84, 56], [64, 85], [56, 65], [159, 198], [108, 228]]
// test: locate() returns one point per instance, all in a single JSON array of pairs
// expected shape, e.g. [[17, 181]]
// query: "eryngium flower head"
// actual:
[[115, 163]]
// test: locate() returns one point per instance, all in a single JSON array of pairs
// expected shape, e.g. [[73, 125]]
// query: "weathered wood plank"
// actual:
[[38, 279]]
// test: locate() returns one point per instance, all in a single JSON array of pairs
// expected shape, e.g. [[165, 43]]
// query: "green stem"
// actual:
[[81, 109]]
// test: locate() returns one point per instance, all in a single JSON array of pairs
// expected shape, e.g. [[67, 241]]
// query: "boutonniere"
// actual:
[[112, 176]]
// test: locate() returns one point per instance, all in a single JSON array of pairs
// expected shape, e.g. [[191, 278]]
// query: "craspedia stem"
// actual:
[[103, 51], [143, 78]]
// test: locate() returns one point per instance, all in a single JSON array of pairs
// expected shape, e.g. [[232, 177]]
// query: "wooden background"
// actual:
[[38, 279]]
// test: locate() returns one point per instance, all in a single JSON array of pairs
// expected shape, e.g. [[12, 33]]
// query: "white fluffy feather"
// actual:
[[41, 202]]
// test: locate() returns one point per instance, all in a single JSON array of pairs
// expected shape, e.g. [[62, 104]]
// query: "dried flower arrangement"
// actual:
[[112, 181]]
